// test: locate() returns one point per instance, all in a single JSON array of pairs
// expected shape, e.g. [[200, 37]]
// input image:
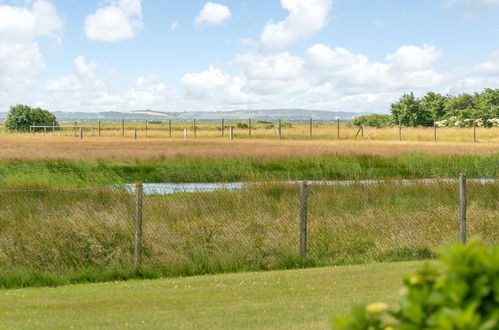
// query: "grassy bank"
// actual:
[[39, 173], [61, 237], [300, 299]]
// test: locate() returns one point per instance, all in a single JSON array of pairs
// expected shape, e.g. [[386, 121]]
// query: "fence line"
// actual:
[[265, 226], [251, 129]]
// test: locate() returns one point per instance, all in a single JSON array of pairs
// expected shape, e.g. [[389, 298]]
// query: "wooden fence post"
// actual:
[[474, 130], [303, 218], [279, 130], [147, 126], [135, 133], [81, 133], [249, 127], [231, 132], [169, 128], [185, 133], [138, 224], [194, 127], [311, 123], [434, 131], [462, 207], [338, 127], [400, 129], [223, 127], [123, 127], [99, 128]]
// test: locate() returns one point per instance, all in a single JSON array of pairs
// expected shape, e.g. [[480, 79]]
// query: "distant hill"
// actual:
[[264, 115]]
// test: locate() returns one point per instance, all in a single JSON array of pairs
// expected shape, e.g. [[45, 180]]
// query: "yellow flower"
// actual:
[[414, 279], [376, 308], [389, 328]]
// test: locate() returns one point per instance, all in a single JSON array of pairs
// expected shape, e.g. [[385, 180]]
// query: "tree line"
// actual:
[[464, 110]]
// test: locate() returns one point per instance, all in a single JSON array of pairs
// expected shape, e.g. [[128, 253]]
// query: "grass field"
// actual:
[[61, 237], [293, 131], [55, 147], [294, 299]]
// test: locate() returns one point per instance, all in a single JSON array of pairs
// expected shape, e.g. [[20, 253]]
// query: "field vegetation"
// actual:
[[267, 130], [61, 237]]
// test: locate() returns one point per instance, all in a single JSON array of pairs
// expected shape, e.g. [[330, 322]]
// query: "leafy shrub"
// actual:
[[374, 120], [463, 296], [241, 124], [21, 117]]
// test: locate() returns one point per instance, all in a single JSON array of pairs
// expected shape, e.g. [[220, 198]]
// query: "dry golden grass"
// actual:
[[297, 131], [93, 148]]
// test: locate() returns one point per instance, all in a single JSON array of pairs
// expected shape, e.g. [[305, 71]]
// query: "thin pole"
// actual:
[[280, 132], [474, 130], [169, 128], [231, 132], [400, 129], [123, 127], [81, 132], [311, 128], [194, 127], [462, 207], [135, 133], [434, 131], [99, 128], [138, 224], [249, 127], [223, 127], [147, 126], [338, 128], [303, 219]]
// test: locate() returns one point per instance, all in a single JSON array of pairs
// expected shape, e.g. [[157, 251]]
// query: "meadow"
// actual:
[[270, 130], [86, 235], [78, 229]]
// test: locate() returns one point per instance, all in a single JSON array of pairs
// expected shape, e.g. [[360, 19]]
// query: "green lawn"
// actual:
[[278, 299]]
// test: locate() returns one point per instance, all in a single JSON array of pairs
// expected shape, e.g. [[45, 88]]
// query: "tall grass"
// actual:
[[58, 237], [295, 131], [41, 173]]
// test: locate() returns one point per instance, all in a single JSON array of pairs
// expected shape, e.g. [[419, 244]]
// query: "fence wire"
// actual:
[[251, 227]]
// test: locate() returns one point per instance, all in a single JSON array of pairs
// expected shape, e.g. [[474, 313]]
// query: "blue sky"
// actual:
[[347, 55]]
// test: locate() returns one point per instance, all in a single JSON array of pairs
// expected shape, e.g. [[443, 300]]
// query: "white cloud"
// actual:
[[174, 25], [471, 8], [201, 84], [84, 79], [305, 18], [116, 21], [213, 14], [20, 59], [413, 57]]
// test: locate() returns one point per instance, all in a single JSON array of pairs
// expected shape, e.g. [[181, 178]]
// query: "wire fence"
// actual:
[[276, 129], [256, 226]]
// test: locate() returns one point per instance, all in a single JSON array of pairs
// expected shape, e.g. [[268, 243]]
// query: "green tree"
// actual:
[[374, 120], [410, 112], [21, 117], [487, 106], [434, 104]]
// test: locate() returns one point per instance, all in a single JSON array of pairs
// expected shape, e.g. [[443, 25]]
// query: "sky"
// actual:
[[166, 55]]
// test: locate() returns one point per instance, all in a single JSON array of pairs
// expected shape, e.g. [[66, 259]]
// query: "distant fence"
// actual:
[[263, 226], [264, 129]]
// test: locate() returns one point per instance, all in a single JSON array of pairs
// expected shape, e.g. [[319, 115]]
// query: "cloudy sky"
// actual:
[[345, 55]]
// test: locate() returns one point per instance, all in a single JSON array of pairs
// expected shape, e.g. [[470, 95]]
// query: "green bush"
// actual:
[[21, 117], [465, 295], [374, 120]]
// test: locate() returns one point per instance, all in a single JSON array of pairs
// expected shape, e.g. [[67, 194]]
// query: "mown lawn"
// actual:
[[306, 298]]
